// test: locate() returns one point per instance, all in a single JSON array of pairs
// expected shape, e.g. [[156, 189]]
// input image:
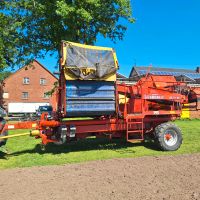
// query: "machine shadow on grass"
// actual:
[[89, 144], [3, 155]]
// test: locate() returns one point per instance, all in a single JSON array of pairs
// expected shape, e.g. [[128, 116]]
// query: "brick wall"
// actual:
[[14, 86]]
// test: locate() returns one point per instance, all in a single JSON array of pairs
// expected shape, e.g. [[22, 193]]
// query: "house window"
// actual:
[[5, 95], [42, 81], [46, 96], [24, 95], [26, 80]]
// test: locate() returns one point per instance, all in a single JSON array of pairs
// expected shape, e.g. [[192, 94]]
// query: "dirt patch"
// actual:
[[165, 177]]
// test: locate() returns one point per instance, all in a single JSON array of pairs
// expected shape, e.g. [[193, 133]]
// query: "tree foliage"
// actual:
[[4, 75], [8, 41], [38, 26]]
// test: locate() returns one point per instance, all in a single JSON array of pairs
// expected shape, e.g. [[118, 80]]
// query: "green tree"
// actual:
[[4, 75], [38, 26], [9, 38]]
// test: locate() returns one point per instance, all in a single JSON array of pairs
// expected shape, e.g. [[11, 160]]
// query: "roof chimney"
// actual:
[[198, 70]]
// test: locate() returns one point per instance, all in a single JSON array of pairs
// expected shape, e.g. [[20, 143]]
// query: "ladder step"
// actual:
[[135, 140], [135, 131], [134, 128], [134, 122], [135, 117], [135, 114]]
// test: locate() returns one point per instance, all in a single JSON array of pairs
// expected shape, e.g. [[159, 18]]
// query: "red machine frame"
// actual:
[[140, 108], [146, 104]]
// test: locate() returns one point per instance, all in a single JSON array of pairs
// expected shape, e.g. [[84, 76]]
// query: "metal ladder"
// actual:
[[134, 128]]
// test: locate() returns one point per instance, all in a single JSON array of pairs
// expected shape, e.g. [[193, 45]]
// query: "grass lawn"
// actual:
[[26, 151]]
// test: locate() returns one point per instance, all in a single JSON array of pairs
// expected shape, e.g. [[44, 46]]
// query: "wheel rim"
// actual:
[[170, 137]]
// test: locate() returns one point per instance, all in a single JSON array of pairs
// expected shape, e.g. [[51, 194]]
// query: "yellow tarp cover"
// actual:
[[80, 61]]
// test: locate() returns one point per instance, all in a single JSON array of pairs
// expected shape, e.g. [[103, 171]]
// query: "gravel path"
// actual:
[[164, 177]]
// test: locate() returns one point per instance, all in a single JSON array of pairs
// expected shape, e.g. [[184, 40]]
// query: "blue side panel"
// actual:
[[90, 98]]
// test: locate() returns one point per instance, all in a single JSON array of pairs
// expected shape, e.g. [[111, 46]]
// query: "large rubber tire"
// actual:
[[168, 136]]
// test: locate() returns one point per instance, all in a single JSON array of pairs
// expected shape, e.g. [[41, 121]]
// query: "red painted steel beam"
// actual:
[[22, 125]]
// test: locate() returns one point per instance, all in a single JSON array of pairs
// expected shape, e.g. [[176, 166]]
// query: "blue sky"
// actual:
[[166, 34]]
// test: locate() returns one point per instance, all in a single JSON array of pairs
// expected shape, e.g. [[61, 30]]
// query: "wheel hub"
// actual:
[[170, 137]]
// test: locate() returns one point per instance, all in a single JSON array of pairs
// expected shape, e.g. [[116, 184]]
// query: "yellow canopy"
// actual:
[[86, 62]]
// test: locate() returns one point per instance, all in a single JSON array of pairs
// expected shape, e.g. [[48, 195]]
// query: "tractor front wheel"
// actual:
[[168, 136]]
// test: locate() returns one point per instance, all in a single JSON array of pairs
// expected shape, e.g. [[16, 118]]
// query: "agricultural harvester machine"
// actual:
[[91, 102]]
